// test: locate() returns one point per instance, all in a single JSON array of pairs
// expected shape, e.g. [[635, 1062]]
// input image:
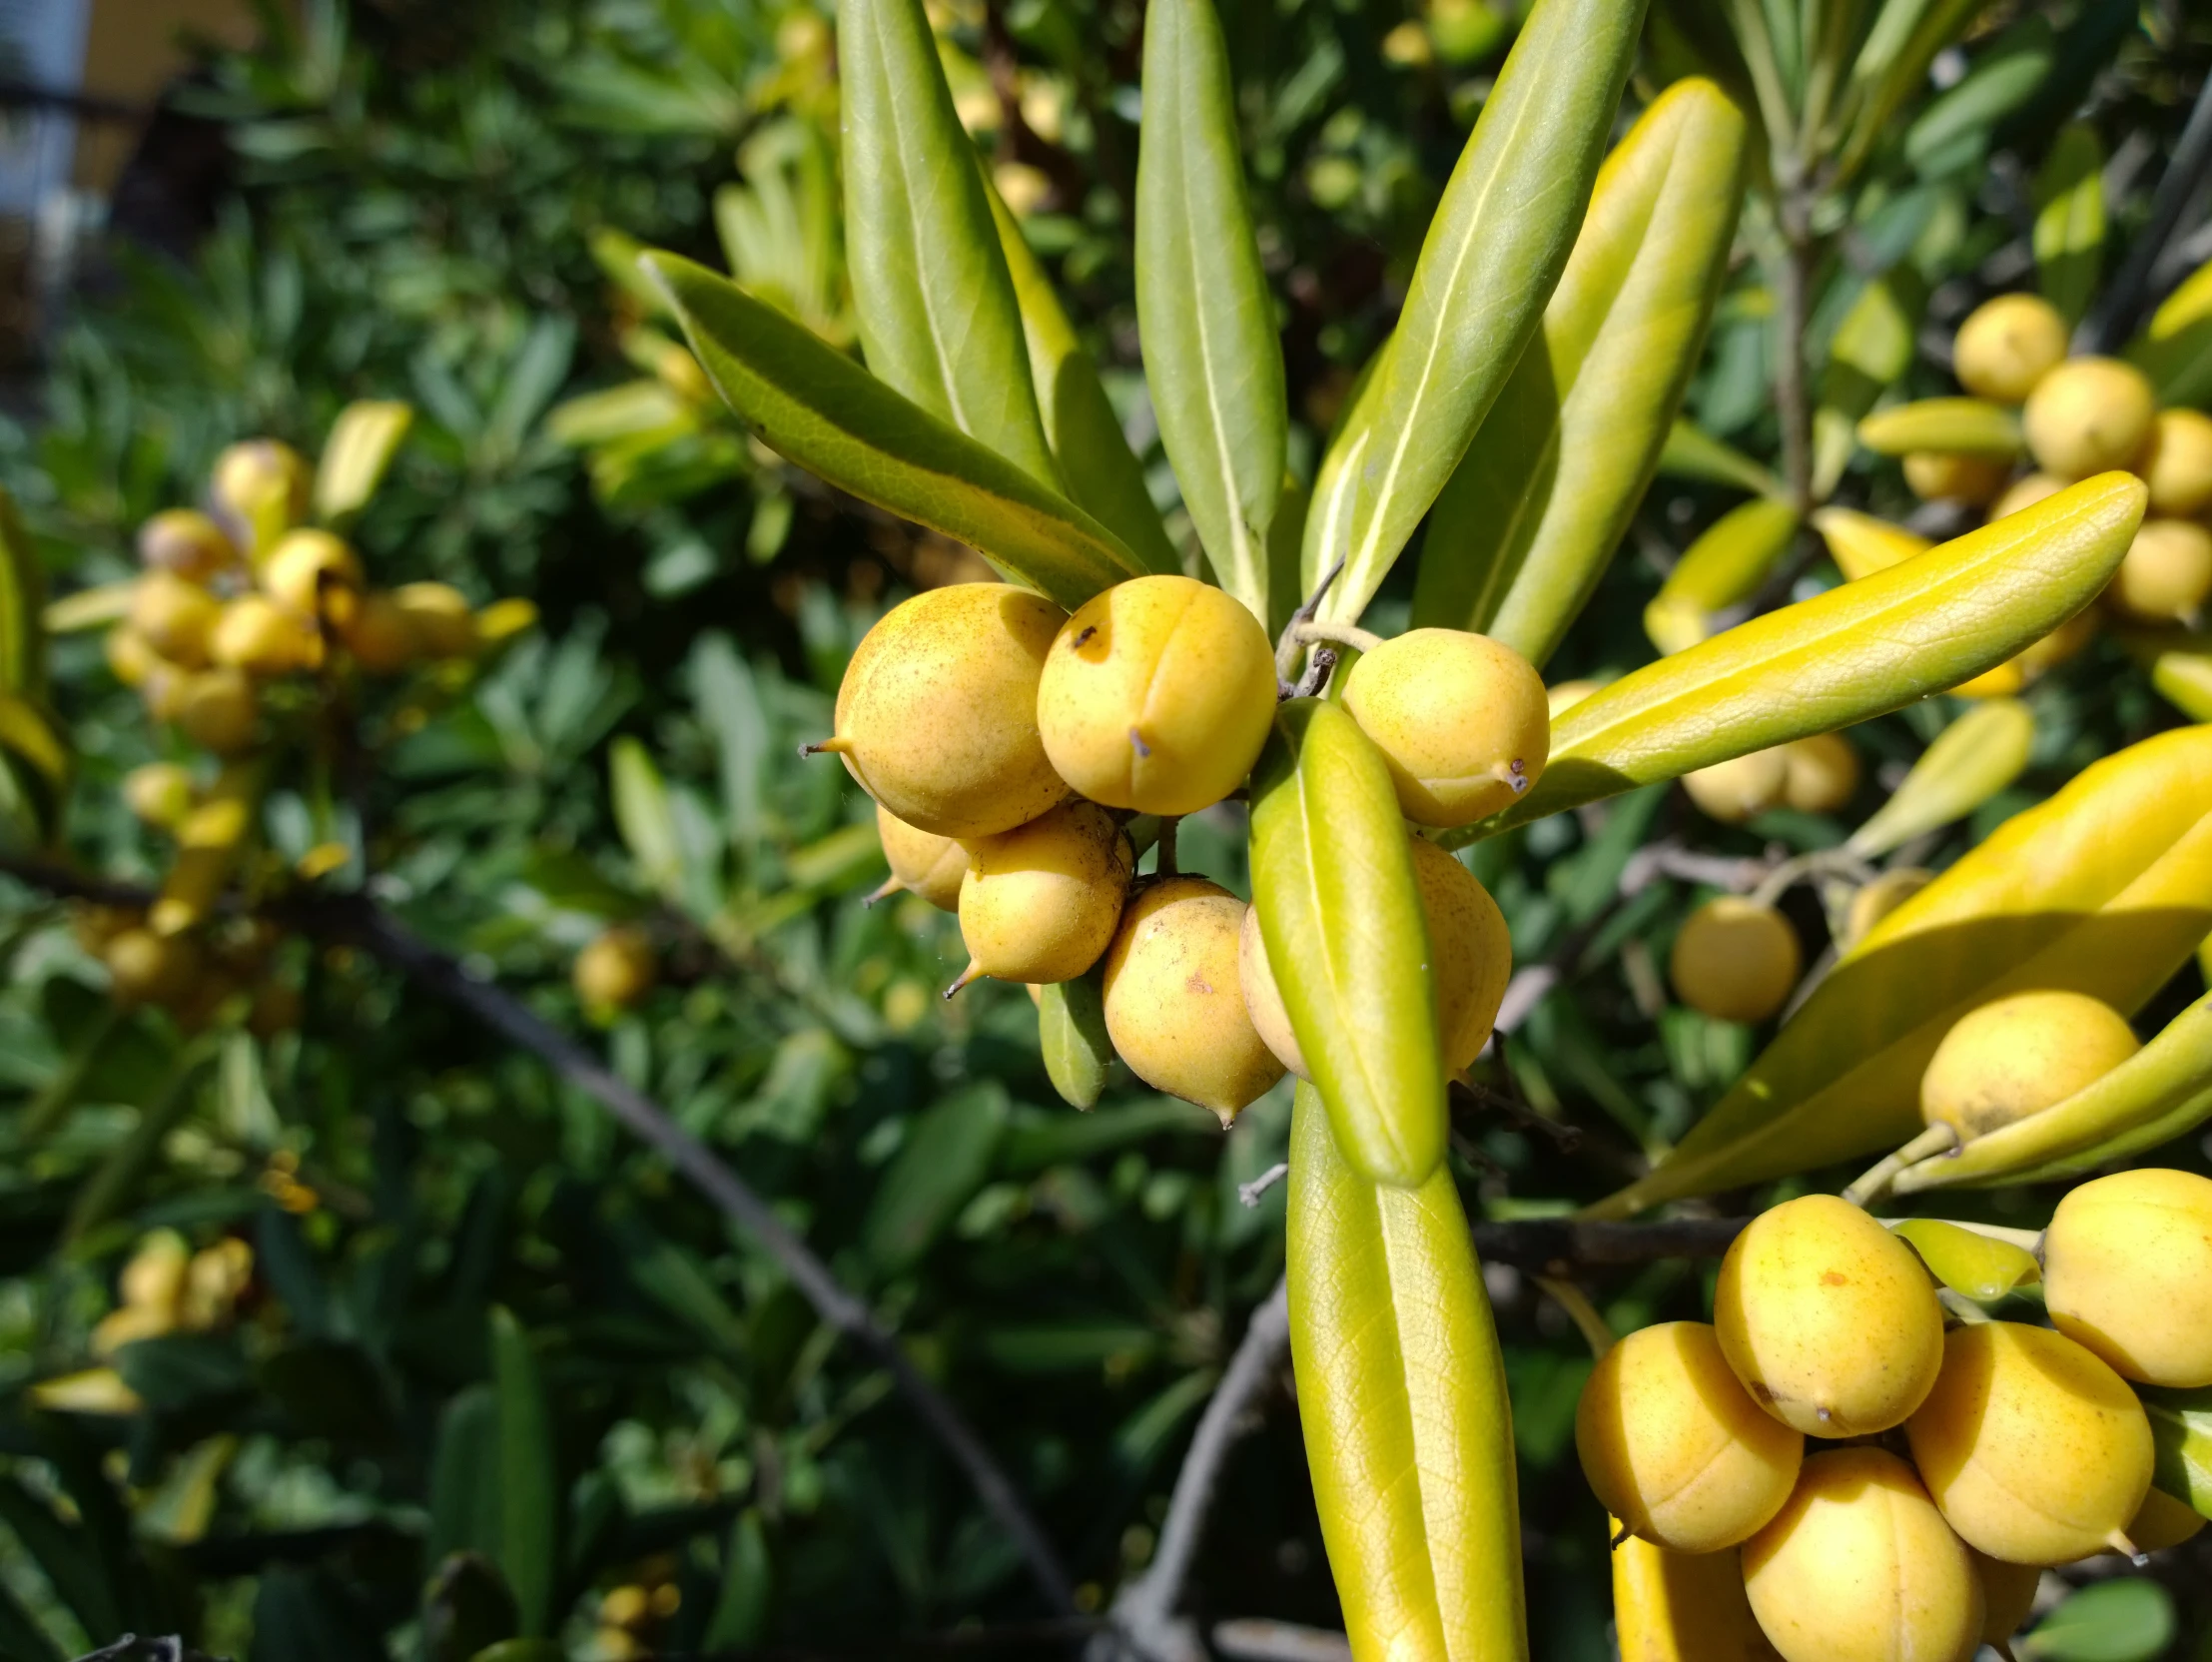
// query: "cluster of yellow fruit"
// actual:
[[1973, 1457], [1021, 757], [190, 973], [167, 1287]]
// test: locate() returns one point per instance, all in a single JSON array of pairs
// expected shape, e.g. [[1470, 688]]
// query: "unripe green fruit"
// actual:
[[1675, 1448], [2018, 1056], [2008, 344], [1819, 773], [2036, 1451], [174, 617], [2166, 574], [381, 635], [1741, 787], [2007, 1595], [930, 866], [2024, 492], [147, 968], [2127, 1272], [1157, 696], [2177, 463], [1039, 903], [1735, 960], [1952, 476], [159, 793], [218, 711], [2088, 415], [1174, 1007], [937, 714], [1872, 901], [1828, 1319], [1860, 1567], [261, 638], [1470, 959], [615, 970], [1461, 720], [442, 623], [185, 542]]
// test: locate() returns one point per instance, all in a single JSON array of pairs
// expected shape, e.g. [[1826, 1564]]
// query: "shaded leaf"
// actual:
[[528, 1484], [945, 1160]]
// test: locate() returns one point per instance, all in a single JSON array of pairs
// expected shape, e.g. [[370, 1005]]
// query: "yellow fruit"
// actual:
[[1174, 1006], [2024, 492], [2008, 344], [937, 714], [1673, 1447], [1952, 477], [929, 865], [312, 573], [2088, 415], [185, 542], [1872, 901], [2177, 463], [259, 636], [2036, 1451], [1862, 544], [1157, 696], [1734, 790], [1828, 1319], [1470, 957], [153, 1279], [615, 970], [1860, 1567], [443, 625], [381, 635], [2007, 1595], [174, 617], [218, 711], [162, 689], [2127, 1272], [2166, 574], [1039, 903], [1682, 1607], [1819, 774], [1560, 699], [159, 793], [2162, 1522], [260, 483], [1461, 719], [1735, 960], [2018, 1056], [2025, 669], [130, 660], [146, 967]]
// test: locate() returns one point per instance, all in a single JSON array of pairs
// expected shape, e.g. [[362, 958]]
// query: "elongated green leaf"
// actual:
[[1103, 478], [1926, 623], [1693, 453], [464, 1476], [1523, 531], [1892, 65], [945, 1156], [1202, 304], [1402, 1395], [938, 320], [2160, 1092], [1495, 249], [1345, 934], [66, 1555], [2105, 889], [22, 603], [25, 730], [1972, 426], [355, 456], [2070, 221], [1953, 134], [529, 1492], [2129, 1620], [810, 403], [645, 816], [2181, 1436], [1971, 760], [1976, 1266], [1723, 567], [2175, 347], [1072, 1031]]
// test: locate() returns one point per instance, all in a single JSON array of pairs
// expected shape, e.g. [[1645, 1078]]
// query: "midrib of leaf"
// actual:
[[1392, 1252], [925, 290]]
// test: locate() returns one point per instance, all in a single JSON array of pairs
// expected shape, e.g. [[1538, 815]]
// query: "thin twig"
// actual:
[[1286, 647], [1317, 671], [1249, 1193], [1793, 213], [1251, 1640]]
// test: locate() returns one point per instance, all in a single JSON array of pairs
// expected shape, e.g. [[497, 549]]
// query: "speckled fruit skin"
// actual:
[[1471, 954], [1828, 1318], [2088, 415], [1039, 903], [2166, 572], [1676, 1448], [2016, 1056], [2007, 1595], [1735, 960], [2008, 344], [937, 714], [1174, 1007], [2127, 1272], [2036, 1451], [1860, 1567], [1157, 696], [931, 866], [1734, 790], [1462, 722]]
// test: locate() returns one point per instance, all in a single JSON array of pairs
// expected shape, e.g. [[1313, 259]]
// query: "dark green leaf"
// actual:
[[528, 1485], [946, 1157]]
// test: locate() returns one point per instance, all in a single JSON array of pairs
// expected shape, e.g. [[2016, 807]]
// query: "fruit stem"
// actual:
[[890, 887], [1286, 649], [1335, 634], [1596, 1332], [833, 746], [973, 972], [1938, 1139], [1166, 866]]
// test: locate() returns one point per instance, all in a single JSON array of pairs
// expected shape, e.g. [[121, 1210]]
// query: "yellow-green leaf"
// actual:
[[808, 401], [1495, 248], [1523, 528], [1333, 881], [22, 608], [90, 608], [1976, 1266], [356, 454], [1971, 760], [1402, 1397], [1723, 567], [2175, 349], [2105, 889], [1969, 426], [1922, 626], [1072, 1033], [2069, 220], [1693, 453], [27, 732], [2181, 1436]]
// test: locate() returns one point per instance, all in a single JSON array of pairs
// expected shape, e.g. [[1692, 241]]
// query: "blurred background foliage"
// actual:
[[427, 1355]]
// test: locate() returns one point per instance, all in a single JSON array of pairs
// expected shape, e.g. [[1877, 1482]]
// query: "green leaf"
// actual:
[[1523, 531], [1341, 916], [529, 1489], [1494, 250], [645, 817], [1923, 624], [1953, 134], [22, 605], [937, 319], [25, 731], [2105, 889], [466, 1608], [2129, 1620], [22, 1639], [1402, 1397], [1723, 567], [356, 456], [1969, 427], [1975, 1266], [1693, 453], [811, 403], [945, 1160], [1071, 1030], [741, 1607], [2181, 1436], [2070, 221], [65, 1555], [1971, 760], [1103, 476], [2175, 347], [464, 1476], [1207, 320]]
